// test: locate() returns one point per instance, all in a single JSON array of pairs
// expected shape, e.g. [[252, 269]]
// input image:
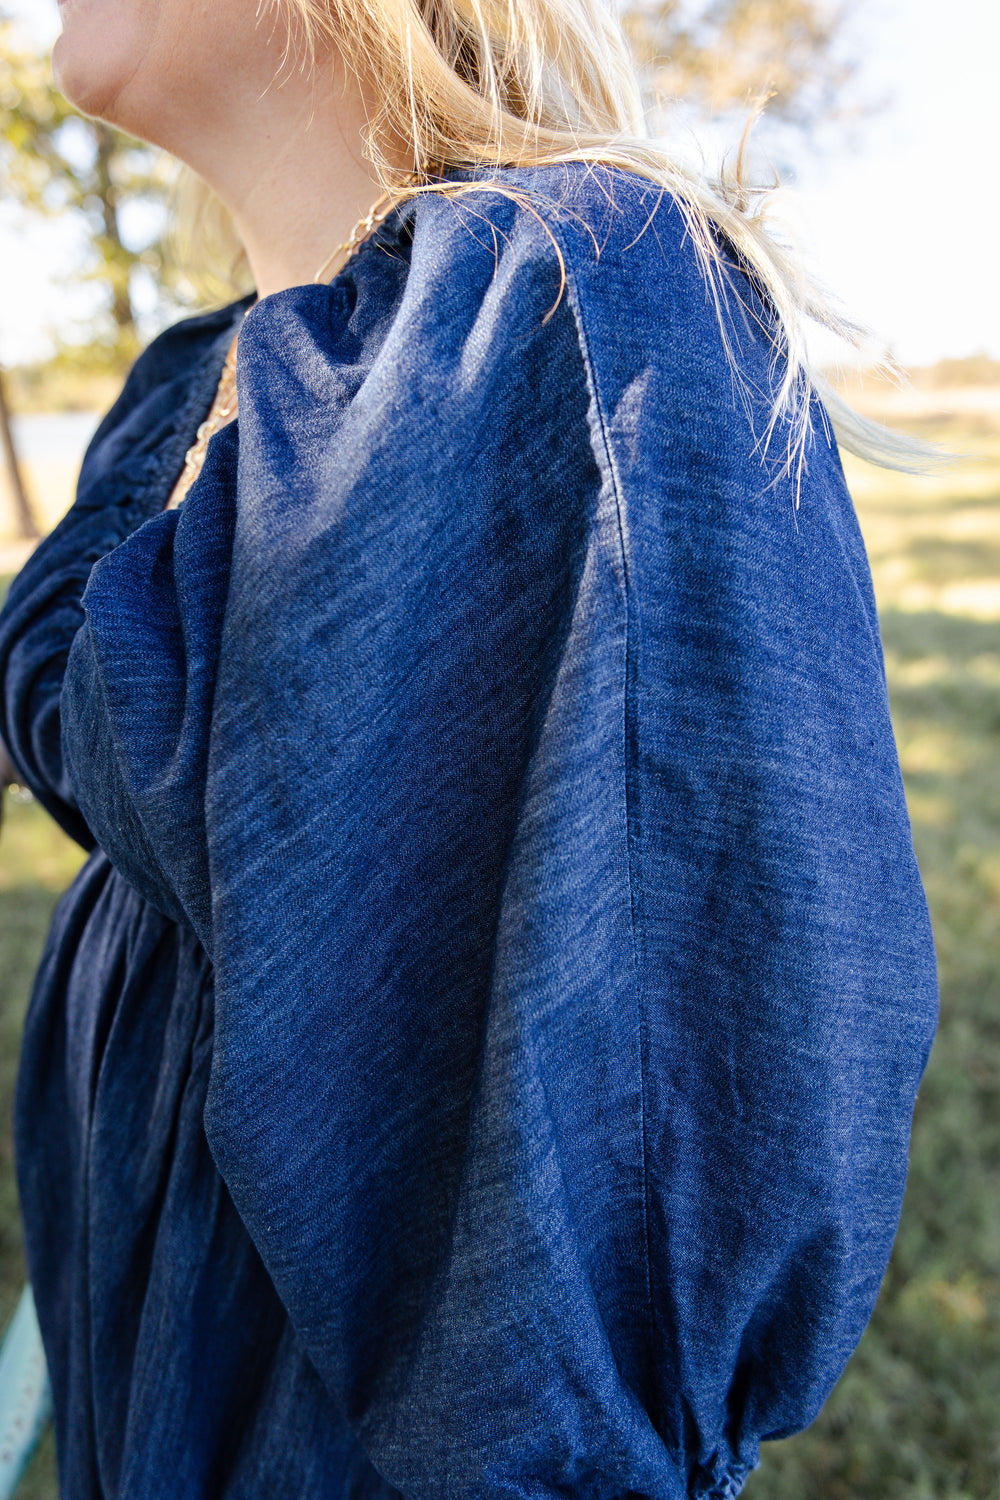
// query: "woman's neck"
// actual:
[[293, 175], [224, 86]]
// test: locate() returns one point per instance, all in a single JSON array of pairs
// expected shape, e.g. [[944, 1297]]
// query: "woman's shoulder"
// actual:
[[503, 234], [470, 304], [602, 239], [468, 276], [655, 299], [586, 213]]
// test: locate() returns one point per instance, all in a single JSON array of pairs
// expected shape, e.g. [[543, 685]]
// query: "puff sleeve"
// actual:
[[128, 464], [524, 764]]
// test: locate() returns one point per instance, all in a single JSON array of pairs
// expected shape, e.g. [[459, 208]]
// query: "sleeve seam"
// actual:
[[610, 468]]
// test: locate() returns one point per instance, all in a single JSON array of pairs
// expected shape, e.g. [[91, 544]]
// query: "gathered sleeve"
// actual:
[[522, 759], [41, 615], [121, 484]]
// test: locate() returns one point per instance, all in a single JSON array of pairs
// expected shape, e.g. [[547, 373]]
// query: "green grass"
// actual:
[[917, 1414]]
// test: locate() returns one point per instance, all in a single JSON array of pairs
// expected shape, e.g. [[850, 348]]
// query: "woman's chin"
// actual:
[[80, 84], [85, 68]]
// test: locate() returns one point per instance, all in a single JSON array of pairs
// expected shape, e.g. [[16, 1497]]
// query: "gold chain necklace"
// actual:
[[225, 405]]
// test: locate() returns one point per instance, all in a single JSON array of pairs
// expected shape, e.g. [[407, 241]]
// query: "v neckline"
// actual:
[[203, 381]]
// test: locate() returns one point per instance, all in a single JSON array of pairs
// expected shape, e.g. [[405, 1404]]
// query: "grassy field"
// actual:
[[917, 1415]]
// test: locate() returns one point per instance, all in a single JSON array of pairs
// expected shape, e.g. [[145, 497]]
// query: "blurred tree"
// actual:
[[27, 526], [55, 162], [716, 55], [723, 55]]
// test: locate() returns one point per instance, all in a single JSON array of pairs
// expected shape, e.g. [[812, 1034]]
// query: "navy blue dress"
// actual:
[[477, 1059]]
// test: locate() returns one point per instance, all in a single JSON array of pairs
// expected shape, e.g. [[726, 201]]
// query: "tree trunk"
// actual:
[[27, 526], [121, 306]]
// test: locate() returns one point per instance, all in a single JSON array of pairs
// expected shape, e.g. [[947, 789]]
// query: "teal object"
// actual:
[[25, 1396]]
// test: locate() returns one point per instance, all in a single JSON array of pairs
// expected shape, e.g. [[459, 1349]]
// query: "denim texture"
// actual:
[[477, 1060]]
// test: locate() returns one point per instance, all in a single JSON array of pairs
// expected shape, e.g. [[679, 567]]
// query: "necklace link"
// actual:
[[372, 219]]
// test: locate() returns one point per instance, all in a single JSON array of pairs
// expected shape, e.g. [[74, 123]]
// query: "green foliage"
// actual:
[[56, 162], [725, 55], [78, 377]]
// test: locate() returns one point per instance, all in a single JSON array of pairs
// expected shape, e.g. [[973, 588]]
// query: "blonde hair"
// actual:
[[523, 83]]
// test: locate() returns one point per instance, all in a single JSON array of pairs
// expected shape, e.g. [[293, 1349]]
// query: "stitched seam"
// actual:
[[576, 303]]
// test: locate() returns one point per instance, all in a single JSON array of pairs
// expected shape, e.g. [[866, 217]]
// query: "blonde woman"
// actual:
[[477, 1057]]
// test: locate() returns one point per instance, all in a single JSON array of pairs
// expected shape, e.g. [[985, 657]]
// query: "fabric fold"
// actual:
[[519, 755]]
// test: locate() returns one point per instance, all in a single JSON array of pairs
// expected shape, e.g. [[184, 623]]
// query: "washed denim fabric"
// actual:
[[477, 1060]]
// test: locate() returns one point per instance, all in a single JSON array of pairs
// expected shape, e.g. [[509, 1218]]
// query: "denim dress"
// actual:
[[477, 1059]]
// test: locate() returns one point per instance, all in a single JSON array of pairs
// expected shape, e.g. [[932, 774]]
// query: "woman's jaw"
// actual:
[[211, 82]]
